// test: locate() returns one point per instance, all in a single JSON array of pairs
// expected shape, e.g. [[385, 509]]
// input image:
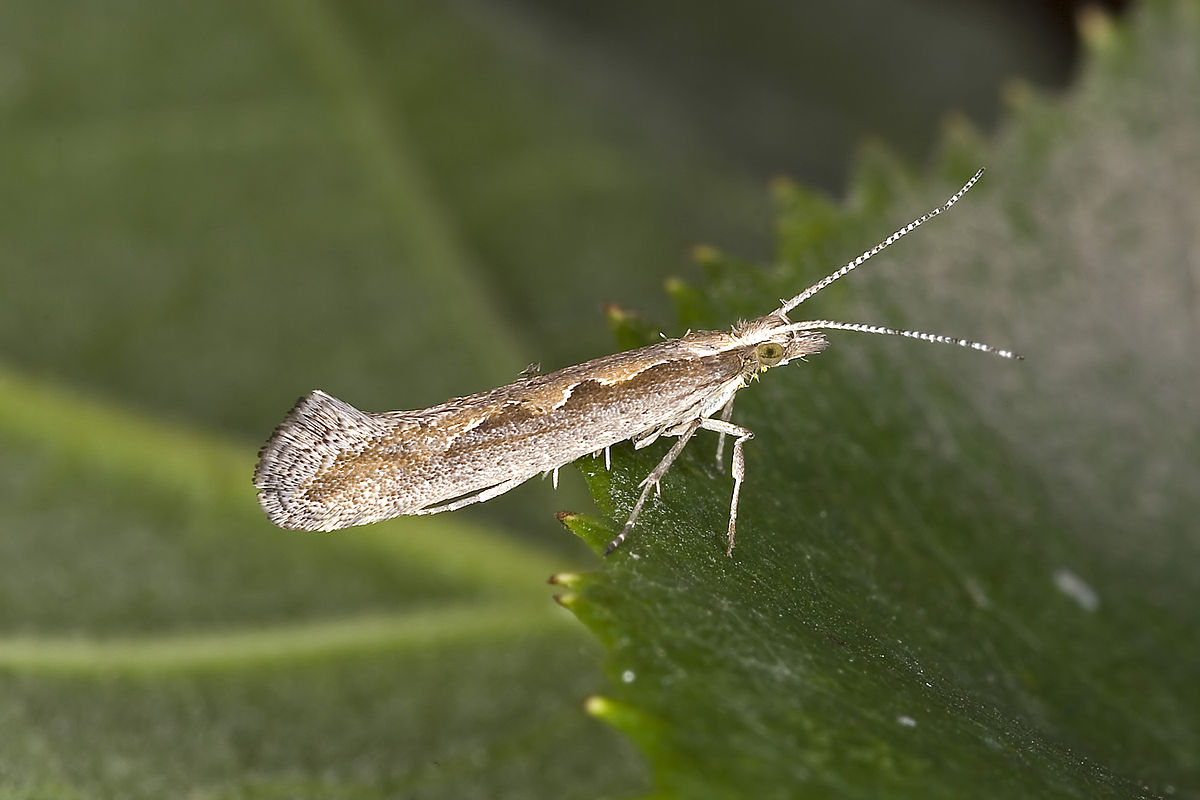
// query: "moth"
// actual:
[[329, 465]]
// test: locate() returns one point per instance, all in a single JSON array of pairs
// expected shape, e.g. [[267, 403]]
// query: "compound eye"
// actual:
[[769, 353]]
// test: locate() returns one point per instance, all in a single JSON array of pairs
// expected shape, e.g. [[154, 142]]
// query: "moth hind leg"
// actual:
[[651, 482], [482, 496]]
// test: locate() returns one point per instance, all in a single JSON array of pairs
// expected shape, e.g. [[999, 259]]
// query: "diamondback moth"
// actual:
[[329, 465]]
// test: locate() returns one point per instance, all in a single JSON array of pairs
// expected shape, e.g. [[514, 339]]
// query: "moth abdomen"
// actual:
[[318, 431]]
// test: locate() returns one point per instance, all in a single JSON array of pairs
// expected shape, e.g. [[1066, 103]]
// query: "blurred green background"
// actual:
[[211, 209]]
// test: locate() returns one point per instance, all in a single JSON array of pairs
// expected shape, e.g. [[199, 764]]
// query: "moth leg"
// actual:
[[739, 464], [481, 496], [651, 482], [726, 413]]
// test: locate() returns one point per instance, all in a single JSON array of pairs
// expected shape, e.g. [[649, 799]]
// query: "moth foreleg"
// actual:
[[651, 482], [743, 435], [481, 496]]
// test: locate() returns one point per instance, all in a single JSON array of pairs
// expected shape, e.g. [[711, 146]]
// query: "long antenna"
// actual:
[[829, 325], [851, 266]]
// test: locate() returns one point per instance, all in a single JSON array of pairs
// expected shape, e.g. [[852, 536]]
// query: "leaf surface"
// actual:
[[954, 576]]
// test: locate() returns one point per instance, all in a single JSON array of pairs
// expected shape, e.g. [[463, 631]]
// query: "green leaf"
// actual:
[[159, 634], [954, 576]]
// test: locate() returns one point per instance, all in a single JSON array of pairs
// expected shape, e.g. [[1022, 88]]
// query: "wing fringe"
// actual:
[[316, 432]]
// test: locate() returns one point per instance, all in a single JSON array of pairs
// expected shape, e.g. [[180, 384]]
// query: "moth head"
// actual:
[[784, 346]]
